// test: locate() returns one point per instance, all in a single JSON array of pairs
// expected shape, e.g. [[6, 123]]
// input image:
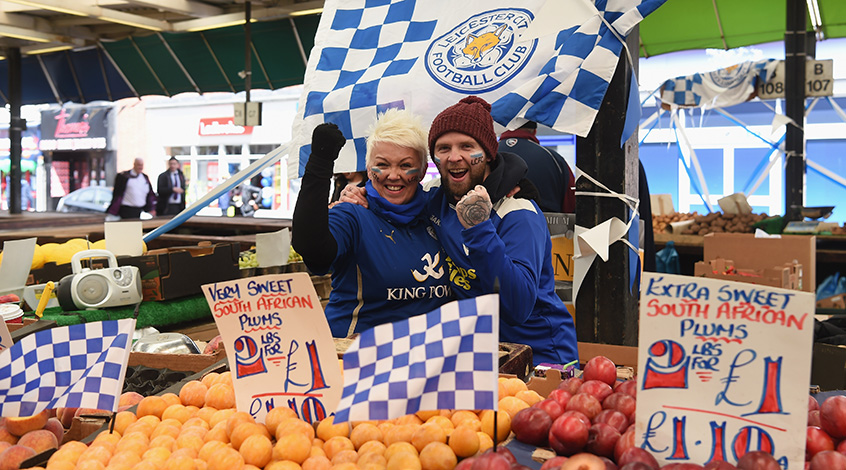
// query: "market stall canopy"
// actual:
[[114, 49], [727, 24]]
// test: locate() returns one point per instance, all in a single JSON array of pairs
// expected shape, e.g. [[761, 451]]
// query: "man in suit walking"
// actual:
[[171, 189]]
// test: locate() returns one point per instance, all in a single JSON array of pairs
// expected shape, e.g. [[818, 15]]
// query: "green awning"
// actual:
[[726, 24], [213, 59]]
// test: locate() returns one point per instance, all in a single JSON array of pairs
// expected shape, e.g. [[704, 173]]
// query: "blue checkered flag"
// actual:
[[76, 366], [445, 359], [720, 88], [372, 55]]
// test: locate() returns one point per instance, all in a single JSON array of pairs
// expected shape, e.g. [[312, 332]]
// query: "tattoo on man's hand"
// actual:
[[474, 210]]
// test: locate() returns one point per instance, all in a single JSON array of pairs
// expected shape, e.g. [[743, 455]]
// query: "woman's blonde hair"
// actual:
[[399, 127]]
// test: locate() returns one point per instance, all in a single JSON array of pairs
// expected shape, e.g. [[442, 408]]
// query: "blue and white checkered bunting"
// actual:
[[372, 55], [445, 359], [76, 366], [720, 88]]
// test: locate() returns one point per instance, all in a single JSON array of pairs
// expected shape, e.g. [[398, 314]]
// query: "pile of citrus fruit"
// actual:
[[200, 429]]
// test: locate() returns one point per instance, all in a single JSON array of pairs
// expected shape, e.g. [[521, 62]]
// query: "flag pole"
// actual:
[[496, 410]]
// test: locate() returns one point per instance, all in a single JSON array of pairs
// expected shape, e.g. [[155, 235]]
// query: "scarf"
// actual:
[[394, 213]]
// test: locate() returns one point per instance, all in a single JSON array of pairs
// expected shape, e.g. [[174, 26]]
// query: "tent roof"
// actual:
[[726, 24], [124, 48]]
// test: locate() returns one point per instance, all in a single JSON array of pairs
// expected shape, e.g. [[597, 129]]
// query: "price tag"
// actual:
[[279, 346], [819, 80], [723, 369]]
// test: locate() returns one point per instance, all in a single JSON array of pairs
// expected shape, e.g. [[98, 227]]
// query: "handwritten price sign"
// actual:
[[279, 346], [724, 369]]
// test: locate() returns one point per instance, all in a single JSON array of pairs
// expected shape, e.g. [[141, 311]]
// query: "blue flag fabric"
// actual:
[[445, 359], [719, 88], [76, 366], [372, 55]]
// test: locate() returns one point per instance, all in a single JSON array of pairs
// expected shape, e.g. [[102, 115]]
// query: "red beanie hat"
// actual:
[[471, 116]]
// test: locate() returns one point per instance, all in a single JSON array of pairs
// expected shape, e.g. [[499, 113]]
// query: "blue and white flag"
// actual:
[[76, 366], [720, 88], [445, 359], [371, 55]]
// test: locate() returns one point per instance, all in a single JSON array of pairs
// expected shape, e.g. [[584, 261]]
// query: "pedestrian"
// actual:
[[171, 189], [548, 170], [132, 193]]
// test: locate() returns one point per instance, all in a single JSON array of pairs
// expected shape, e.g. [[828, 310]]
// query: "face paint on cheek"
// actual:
[[413, 175], [477, 158], [436, 160], [376, 175]]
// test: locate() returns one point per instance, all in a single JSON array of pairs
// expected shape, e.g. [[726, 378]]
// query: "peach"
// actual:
[[4, 445], [221, 396], [193, 393], [257, 450], [151, 406], [39, 440], [236, 419], [6, 436], [23, 425], [129, 399], [55, 426], [245, 430], [12, 457]]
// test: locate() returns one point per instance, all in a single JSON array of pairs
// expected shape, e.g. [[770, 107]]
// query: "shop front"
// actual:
[[31, 191], [78, 149], [202, 135]]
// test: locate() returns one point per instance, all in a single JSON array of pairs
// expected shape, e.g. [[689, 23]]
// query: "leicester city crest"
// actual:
[[481, 53]]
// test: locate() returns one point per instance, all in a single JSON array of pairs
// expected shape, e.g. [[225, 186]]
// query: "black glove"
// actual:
[[326, 142]]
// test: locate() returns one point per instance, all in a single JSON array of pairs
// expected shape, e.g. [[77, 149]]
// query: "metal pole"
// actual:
[[794, 101], [248, 51], [16, 126], [606, 306]]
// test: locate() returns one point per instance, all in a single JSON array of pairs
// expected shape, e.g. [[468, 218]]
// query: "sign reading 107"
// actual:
[[819, 80]]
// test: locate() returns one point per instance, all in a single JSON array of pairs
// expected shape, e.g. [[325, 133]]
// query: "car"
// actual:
[[88, 199]]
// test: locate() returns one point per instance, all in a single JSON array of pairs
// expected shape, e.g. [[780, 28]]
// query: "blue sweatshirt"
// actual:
[[384, 271], [513, 247]]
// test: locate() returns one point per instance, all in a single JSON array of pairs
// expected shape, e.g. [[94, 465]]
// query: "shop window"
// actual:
[[177, 151], [207, 150], [233, 150], [262, 149]]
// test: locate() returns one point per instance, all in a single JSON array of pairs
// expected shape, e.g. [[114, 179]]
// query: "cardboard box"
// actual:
[[785, 277], [834, 302], [828, 367], [621, 356], [179, 362], [175, 272], [624, 357], [763, 253]]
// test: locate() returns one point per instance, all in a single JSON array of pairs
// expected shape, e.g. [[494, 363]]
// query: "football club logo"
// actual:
[[481, 54]]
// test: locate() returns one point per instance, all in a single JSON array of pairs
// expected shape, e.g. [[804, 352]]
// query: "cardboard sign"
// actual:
[[14, 267], [724, 369], [561, 228], [279, 346]]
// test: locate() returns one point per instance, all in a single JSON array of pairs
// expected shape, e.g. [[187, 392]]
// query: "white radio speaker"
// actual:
[[87, 288]]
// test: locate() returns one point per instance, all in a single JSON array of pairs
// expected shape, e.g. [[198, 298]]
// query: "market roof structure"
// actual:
[[113, 49]]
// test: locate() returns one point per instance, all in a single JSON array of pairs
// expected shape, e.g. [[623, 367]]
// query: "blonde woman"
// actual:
[[385, 262]]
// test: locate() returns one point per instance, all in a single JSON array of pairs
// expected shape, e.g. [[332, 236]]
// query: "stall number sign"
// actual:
[[278, 343], [819, 80], [724, 369]]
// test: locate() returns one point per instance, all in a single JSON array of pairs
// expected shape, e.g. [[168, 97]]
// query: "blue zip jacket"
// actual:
[[514, 249], [384, 271]]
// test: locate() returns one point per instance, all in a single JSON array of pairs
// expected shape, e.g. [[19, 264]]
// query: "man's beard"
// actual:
[[455, 191]]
